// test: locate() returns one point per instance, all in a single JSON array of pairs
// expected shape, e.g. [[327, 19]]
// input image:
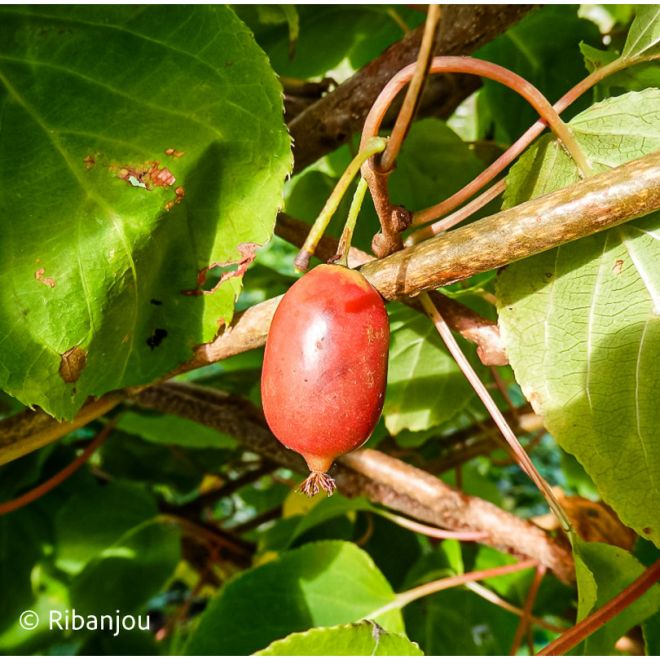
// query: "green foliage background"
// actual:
[[96, 252]]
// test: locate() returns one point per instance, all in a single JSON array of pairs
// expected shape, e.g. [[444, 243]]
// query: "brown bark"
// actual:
[[328, 123], [474, 328], [369, 473], [585, 208]]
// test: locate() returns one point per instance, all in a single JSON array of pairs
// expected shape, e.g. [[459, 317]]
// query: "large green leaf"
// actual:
[[582, 323], [99, 242], [425, 387], [603, 571], [320, 584], [365, 638]]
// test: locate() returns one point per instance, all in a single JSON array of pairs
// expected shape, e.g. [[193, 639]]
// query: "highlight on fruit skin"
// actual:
[[325, 368]]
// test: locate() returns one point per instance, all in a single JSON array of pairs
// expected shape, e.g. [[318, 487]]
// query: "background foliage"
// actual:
[[99, 111]]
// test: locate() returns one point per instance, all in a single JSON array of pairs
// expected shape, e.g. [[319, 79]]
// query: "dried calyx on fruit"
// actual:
[[325, 368]]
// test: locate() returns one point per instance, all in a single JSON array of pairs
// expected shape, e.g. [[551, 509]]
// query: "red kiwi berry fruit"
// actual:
[[325, 368]]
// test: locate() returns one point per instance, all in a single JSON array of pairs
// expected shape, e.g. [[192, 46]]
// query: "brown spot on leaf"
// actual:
[[175, 153], [48, 281], [72, 364], [618, 266], [89, 161], [148, 176], [179, 193], [247, 253]]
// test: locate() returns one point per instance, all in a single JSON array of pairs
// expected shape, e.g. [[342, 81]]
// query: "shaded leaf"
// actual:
[[365, 638], [458, 622], [173, 430], [21, 537], [124, 575], [95, 518], [604, 571], [331, 40], [425, 386], [150, 166], [552, 64]]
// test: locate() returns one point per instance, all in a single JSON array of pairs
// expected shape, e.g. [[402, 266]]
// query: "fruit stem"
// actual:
[[371, 147], [522, 458], [344, 246]]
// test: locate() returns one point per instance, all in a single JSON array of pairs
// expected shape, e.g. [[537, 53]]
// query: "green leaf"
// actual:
[[319, 584], [646, 30], [128, 572], [95, 264], [128, 457], [49, 594], [327, 509], [458, 622], [21, 538], [433, 164], [331, 40], [94, 518], [425, 387], [365, 638], [604, 571], [551, 63], [651, 631], [581, 323], [644, 34], [173, 430]]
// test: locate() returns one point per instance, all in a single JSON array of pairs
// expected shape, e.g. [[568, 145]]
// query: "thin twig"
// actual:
[[344, 247], [449, 204], [523, 459], [48, 485], [527, 612], [457, 217], [414, 91], [210, 497], [378, 184], [367, 150], [493, 598], [573, 636], [432, 532], [407, 597]]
